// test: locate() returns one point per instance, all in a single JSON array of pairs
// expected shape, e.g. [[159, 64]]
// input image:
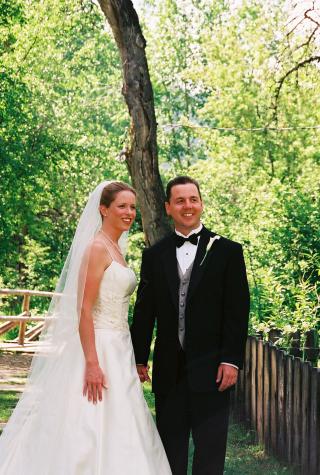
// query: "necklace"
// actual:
[[113, 243]]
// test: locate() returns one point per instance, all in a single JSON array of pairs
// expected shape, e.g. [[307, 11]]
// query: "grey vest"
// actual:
[[183, 292]]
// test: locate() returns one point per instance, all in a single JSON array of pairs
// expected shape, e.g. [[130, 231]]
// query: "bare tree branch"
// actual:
[[307, 43], [302, 64], [302, 21]]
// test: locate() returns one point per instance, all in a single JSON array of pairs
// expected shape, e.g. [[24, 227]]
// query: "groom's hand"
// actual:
[[143, 372], [227, 376]]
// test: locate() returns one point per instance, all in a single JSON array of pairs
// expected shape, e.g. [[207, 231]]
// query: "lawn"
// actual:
[[8, 401], [243, 456]]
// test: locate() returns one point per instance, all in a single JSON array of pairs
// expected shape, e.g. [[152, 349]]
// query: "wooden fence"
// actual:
[[278, 396], [25, 317]]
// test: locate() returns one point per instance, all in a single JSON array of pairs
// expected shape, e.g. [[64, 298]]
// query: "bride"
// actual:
[[83, 410]]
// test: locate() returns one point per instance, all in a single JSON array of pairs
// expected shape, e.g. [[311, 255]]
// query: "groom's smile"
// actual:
[[185, 207]]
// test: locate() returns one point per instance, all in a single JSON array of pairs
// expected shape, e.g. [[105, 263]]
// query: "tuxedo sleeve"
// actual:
[[144, 312], [236, 310]]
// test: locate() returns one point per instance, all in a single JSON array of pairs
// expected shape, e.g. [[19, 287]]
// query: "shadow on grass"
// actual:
[[243, 456]]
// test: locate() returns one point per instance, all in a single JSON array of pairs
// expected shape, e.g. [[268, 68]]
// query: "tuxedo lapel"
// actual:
[[169, 258], [197, 269]]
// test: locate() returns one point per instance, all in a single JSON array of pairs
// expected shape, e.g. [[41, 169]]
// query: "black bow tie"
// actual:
[[180, 240]]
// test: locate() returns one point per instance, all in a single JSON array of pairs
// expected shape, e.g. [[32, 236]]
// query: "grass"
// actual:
[[8, 401], [243, 456]]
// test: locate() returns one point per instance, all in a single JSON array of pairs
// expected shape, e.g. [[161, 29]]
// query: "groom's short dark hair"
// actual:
[[180, 180]]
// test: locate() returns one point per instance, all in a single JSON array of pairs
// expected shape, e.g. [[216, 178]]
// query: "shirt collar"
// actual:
[[194, 231]]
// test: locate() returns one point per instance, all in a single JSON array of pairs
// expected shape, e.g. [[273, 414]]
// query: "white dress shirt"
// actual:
[[187, 252], [186, 255]]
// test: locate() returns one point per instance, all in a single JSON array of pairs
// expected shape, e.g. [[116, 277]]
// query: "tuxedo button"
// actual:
[[181, 304], [181, 329], [183, 293]]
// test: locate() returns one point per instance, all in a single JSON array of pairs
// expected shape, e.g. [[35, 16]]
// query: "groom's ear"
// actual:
[[167, 206]]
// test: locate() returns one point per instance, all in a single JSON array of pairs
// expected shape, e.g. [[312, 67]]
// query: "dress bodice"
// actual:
[[111, 307]]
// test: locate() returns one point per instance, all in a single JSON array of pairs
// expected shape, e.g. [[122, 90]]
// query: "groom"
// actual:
[[194, 287]]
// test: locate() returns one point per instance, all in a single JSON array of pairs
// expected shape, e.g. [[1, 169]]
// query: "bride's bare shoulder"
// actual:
[[97, 250]]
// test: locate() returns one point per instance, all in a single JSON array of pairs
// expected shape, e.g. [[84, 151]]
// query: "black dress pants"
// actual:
[[205, 415]]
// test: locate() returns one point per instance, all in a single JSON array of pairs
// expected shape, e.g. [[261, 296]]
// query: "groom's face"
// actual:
[[185, 207]]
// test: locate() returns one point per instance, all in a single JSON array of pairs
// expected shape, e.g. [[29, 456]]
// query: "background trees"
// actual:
[[216, 68]]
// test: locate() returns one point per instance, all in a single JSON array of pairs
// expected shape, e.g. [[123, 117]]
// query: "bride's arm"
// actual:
[[94, 379]]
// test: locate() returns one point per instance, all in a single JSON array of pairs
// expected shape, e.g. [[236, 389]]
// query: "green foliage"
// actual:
[[12, 334], [63, 122], [259, 187], [278, 224]]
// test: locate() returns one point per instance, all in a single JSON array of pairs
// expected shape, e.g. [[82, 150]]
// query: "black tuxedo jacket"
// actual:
[[216, 317]]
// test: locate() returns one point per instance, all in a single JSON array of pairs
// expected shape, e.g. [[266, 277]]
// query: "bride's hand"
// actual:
[[94, 381]]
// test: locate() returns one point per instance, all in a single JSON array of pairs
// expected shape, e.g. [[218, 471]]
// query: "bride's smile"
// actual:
[[120, 214]]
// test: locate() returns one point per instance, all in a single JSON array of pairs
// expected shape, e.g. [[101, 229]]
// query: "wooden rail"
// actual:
[[23, 292], [278, 396], [25, 316]]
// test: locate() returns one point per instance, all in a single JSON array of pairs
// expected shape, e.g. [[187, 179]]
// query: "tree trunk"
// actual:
[[142, 158]]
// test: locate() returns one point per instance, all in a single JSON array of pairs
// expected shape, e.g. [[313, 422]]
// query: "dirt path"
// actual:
[[13, 373], [13, 370]]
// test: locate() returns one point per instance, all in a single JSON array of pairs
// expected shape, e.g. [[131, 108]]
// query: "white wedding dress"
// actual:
[[67, 435]]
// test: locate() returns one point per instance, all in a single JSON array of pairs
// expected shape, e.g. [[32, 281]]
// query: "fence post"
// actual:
[[247, 378], [305, 407], [253, 414], [260, 349], [242, 393], [273, 399], [281, 404], [274, 335], [311, 350], [289, 408], [297, 425], [239, 397], [25, 312], [314, 461], [266, 396], [295, 344]]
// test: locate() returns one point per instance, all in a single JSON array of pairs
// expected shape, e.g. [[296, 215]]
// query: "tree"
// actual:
[[302, 41], [142, 155], [62, 124]]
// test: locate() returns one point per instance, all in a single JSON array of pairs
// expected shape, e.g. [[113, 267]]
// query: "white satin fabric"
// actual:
[[67, 435]]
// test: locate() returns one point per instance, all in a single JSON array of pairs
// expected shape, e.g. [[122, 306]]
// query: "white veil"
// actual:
[[54, 359], [64, 308]]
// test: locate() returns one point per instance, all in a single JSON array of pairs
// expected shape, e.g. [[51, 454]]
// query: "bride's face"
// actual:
[[121, 212]]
